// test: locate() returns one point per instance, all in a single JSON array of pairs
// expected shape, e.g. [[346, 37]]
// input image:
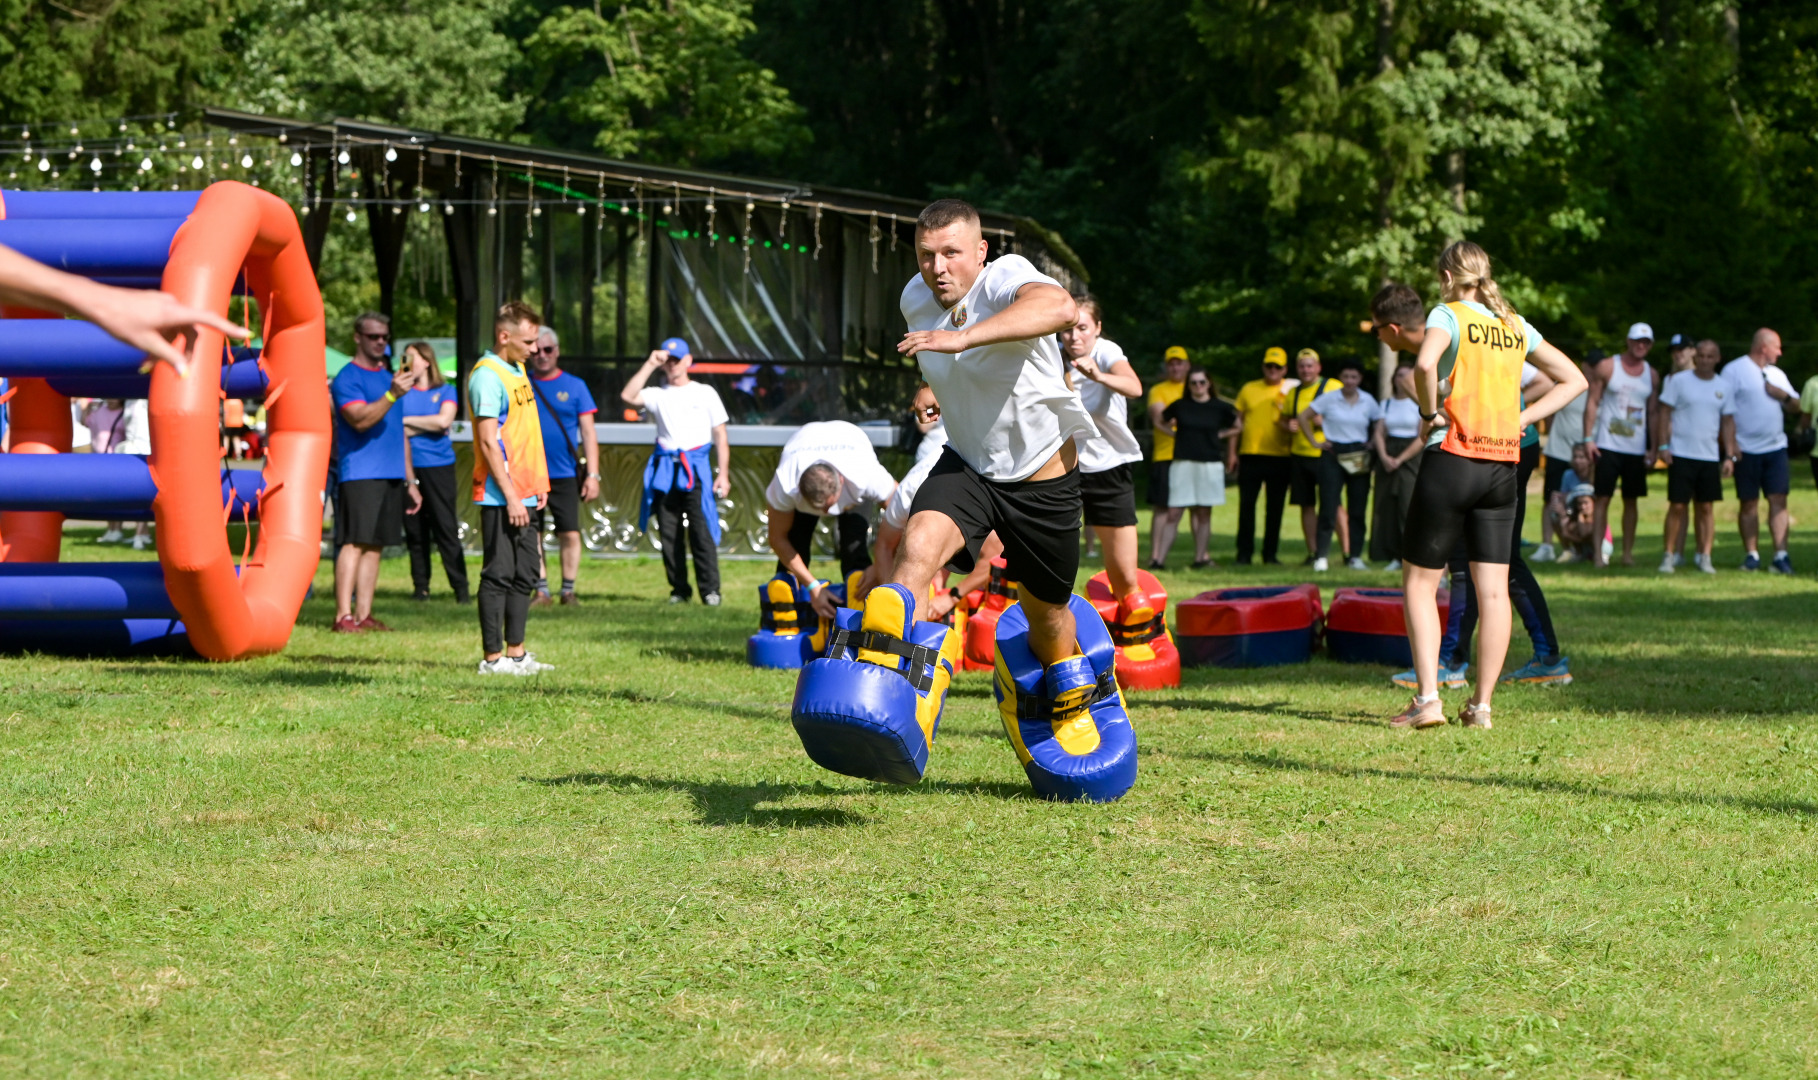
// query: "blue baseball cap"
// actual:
[[675, 346]]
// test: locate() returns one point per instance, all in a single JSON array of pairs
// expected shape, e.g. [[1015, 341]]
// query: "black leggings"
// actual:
[[507, 578], [1355, 487], [437, 525], [1460, 500]]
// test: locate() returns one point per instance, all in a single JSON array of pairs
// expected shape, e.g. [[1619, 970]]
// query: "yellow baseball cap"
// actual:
[[1275, 355], [1306, 354], [1175, 352]]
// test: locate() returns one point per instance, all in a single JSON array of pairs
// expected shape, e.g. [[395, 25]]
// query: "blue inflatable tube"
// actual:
[[78, 205], [96, 637], [105, 486], [131, 590], [95, 247], [1071, 752], [862, 718]]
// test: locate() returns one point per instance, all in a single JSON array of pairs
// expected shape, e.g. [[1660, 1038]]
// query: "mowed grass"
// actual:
[[359, 859]]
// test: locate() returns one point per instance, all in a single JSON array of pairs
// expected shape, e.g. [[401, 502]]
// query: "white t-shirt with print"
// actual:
[[1346, 421], [1760, 422], [841, 445], [1114, 444], [1699, 406], [896, 511], [685, 415], [1007, 407]]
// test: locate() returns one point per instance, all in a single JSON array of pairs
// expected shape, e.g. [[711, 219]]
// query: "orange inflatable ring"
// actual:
[[1146, 656], [239, 229]]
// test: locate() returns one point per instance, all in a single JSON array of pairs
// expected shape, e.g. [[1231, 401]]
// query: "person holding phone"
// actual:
[[376, 475]]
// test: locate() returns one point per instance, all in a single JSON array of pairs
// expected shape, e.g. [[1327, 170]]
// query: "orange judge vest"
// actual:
[[520, 435], [1484, 406]]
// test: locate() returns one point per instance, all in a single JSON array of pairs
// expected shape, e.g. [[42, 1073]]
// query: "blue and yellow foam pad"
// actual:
[[789, 632], [869, 707], [1067, 720]]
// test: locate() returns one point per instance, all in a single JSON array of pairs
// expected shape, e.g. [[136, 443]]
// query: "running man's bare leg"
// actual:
[[930, 541], [1491, 583], [1051, 630], [1120, 543], [1420, 610]]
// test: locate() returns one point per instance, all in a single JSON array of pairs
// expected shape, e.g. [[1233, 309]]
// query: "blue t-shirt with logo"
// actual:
[[378, 452], [562, 398], [428, 450]]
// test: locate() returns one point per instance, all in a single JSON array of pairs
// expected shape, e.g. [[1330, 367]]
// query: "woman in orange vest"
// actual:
[[1467, 383]]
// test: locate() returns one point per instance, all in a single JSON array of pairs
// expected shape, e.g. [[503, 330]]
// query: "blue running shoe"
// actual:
[[1538, 672], [1751, 561], [1783, 564], [1451, 678]]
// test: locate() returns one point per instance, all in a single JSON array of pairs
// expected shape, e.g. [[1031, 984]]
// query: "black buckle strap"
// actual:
[[922, 659], [803, 613], [1139, 633], [1039, 707]]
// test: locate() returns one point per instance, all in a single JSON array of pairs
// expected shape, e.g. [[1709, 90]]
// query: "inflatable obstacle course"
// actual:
[[1249, 627], [203, 248], [1146, 656], [981, 626], [1067, 720], [1366, 626], [871, 705]]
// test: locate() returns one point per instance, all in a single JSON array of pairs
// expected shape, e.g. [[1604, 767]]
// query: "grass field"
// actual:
[[359, 859]]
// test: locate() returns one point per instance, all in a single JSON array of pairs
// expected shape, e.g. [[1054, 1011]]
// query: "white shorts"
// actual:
[[1196, 483]]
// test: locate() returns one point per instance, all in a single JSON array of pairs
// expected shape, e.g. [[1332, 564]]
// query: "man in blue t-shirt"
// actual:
[[566, 409], [376, 474]]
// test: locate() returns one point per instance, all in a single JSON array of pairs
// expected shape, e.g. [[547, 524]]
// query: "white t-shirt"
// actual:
[[1622, 414], [1699, 406], [1567, 428], [1007, 407], [841, 445], [932, 441], [1346, 421], [1760, 422], [1401, 417], [135, 432], [685, 415], [1110, 411], [896, 511]]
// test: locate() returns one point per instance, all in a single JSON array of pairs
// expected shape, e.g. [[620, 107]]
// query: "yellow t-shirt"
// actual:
[[1298, 400], [1166, 393], [1260, 405]]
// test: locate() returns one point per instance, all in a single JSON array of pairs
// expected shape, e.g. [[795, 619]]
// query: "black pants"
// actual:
[[437, 525], [1525, 595], [853, 532], [507, 578], [1394, 492], [1355, 487], [1255, 474], [671, 507]]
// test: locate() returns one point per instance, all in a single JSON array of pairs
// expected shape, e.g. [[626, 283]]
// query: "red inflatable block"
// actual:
[[1366, 626], [980, 652], [1146, 656], [1257, 626]]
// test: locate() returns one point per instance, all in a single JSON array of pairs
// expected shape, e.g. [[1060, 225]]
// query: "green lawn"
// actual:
[[360, 859]]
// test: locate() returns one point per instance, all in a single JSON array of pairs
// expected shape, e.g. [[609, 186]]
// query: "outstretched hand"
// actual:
[[941, 341], [150, 321]]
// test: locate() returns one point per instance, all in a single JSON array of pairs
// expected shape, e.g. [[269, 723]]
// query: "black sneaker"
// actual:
[[420, 596]]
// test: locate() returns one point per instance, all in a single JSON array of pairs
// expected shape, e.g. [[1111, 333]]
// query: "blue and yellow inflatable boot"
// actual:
[[1067, 720], [789, 632], [870, 704]]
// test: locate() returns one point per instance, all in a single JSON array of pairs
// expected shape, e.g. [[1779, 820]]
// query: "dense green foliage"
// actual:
[[359, 859], [1234, 174]]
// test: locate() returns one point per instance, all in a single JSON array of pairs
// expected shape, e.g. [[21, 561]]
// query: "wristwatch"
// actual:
[[593, 476], [954, 592]]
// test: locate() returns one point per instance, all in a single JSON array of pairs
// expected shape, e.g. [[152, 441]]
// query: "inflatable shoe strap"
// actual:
[[922, 659], [1036, 707], [1141, 633]]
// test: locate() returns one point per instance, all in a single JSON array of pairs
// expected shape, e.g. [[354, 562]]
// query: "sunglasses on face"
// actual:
[[380, 336]]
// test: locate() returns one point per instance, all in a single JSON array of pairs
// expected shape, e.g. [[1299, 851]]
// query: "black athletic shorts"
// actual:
[[1109, 497], [564, 503], [370, 512], [1555, 474], [1631, 469], [1303, 480], [1038, 521], [1763, 474], [1158, 483], [1691, 481], [1460, 498]]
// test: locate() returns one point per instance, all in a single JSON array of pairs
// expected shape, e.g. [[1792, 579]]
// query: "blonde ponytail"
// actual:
[[1469, 265]]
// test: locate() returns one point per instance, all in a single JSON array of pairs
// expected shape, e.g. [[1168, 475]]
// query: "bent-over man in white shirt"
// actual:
[[826, 468], [984, 336]]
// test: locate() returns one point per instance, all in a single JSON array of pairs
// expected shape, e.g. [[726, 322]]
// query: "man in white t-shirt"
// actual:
[[1763, 398], [1697, 427], [678, 484], [827, 467], [984, 335], [1619, 405]]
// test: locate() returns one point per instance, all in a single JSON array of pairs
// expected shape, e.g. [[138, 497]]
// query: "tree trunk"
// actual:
[[1385, 187], [1455, 178]]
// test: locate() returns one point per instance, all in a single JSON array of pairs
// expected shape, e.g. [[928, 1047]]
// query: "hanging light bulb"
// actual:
[[391, 154], [343, 159], [233, 140], [448, 209], [122, 125], [246, 161], [296, 159], [303, 211], [145, 165], [73, 130], [580, 211], [44, 164], [492, 211], [94, 165], [196, 162], [181, 142], [423, 207], [283, 136], [350, 215]]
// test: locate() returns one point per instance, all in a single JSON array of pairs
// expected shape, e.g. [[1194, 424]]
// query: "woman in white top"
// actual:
[[135, 438], [1107, 487], [1342, 436], [1395, 439]]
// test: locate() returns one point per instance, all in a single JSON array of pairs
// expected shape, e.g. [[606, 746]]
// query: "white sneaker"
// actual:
[[141, 542], [111, 536], [1393, 566], [1703, 562], [1320, 566], [1356, 563], [504, 665], [1678, 558], [528, 664], [1543, 553], [1667, 565]]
